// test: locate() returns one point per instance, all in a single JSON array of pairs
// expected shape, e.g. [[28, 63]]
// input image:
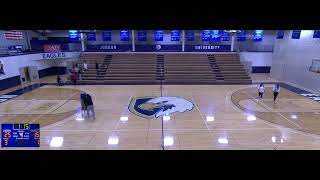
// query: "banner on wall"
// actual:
[[189, 35], [175, 35], [109, 48], [280, 34], [73, 35], [106, 35], [257, 35], [216, 35], [241, 36], [124, 35], [207, 48], [158, 48], [225, 36], [58, 55], [296, 34], [206, 35], [158, 35], [2, 69], [52, 48], [142, 35], [316, 33], [91, 36]]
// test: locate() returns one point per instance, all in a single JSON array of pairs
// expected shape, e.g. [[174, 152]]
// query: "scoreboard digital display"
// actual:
[[20, 135]]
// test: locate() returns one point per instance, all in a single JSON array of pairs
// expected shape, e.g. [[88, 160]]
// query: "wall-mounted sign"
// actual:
[[316, 34], [216, 35], [158, 35], [225, 36], [124, 35], [106, 35], [175, 35], [241, 36], [257, 35], [189, 35], [91, 36], [73, 35], [52, 48], [53, 55], [296, 34], [206, 35], [142, 35], [280, 34], [109, 48], [207, 48]]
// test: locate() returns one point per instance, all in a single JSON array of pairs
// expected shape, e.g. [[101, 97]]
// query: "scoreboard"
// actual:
[[20, 135]]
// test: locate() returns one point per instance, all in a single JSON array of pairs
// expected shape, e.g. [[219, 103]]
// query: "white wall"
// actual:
[[13, 63], [257, 58], [293, 57]]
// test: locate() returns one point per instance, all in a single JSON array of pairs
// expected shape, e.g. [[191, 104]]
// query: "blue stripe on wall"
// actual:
[[15, 81], [52, 71], [9, 82], [261, 69]]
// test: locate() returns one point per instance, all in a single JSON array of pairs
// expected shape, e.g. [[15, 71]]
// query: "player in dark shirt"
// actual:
[[89, 104]]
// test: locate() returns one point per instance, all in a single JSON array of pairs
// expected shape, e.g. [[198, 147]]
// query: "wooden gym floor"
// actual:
[[223, 117]]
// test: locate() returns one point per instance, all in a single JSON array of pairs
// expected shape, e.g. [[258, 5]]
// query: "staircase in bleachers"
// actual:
[[168, 69], [91, 74], [231, 69]]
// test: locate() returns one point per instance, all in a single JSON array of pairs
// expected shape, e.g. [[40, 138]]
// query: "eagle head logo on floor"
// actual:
[[150, 107]]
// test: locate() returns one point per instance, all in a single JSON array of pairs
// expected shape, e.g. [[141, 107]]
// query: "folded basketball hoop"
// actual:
[[315, 66]]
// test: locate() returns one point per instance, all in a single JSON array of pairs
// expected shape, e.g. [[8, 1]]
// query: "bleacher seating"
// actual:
[[166, 69], [187, 69], [231, 69]]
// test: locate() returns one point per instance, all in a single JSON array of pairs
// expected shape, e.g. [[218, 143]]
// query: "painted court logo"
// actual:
[[150, 107]]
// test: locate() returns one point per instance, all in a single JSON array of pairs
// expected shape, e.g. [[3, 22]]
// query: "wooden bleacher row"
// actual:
[[231, 68], [170, 68]]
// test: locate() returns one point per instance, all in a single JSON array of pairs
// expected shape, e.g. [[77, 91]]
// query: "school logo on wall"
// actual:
[[154, 107]]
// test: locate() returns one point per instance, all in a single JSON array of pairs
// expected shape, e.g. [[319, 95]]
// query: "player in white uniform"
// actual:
[[261, 89], [276, 90]]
